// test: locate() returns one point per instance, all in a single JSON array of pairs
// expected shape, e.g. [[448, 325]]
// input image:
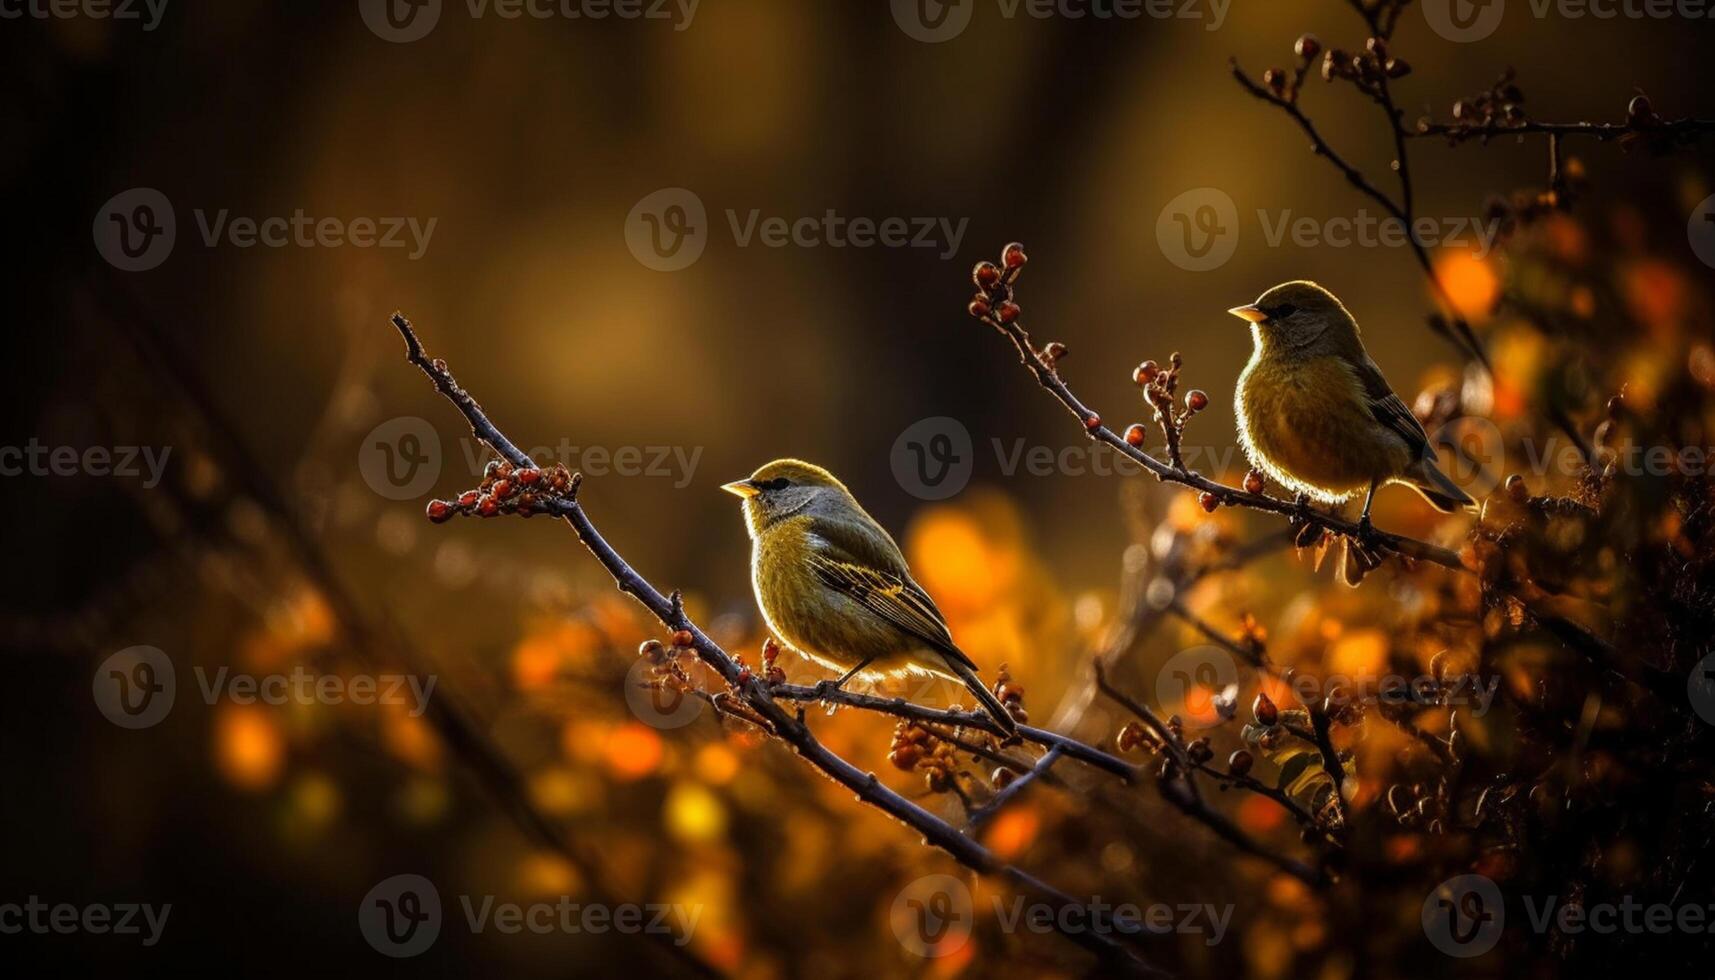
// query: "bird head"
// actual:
[[786, 487], [1296, 315]]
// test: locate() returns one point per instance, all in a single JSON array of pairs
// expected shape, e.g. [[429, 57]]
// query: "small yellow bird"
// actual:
[[833, 585], [1316, 415]]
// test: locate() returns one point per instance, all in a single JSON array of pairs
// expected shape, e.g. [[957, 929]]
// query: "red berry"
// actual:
[[1517, 490], [1134, 435], [1145, 372], [1239, 762], [1308, 46], [1013, 256], [1196, 400], [1209, 502], [1007, 311], [488, 507], [1275, 79], [986, 274], [526, 504], [502, 489], [439, 510], [979, 308], [1253, 482], [1264, 709], [683, 638], [529, 475], [468, 499], [1092, 422]]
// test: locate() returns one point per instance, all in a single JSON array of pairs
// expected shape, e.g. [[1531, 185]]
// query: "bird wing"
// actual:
[[1389, 409], [881, 585]]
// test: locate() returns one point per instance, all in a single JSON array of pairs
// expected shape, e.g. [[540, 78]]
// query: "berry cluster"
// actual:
[[916, 747], [1160, 386], [1011, 695], [508, 489], [667, 663], [994, 285]]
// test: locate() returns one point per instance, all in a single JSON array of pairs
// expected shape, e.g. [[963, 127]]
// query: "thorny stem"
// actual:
[[755, 693]]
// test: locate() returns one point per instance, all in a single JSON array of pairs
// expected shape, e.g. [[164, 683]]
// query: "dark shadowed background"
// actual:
[[528, 143]]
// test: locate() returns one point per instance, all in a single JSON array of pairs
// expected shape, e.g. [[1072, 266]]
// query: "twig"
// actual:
[[756, 695], [1460, 332], [1014, 788], [1184, 793]]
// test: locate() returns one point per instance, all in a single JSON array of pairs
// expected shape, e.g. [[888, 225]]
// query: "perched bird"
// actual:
[[1316, 415], [833, 585]]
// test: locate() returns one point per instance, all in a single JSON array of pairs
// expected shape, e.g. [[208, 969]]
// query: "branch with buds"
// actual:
[[755, 694]]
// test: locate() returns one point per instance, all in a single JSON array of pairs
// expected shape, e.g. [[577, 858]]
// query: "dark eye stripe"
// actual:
[[778, 483], [1281, 312]]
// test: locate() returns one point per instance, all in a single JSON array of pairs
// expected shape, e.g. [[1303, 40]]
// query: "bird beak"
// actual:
[[1252, 313], [742, 488]]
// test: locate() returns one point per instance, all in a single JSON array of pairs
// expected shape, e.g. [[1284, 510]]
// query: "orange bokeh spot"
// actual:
[[1012, 832], [633, 751], [1359, 654], [1259, 814], [249, 747], [1470, 282]]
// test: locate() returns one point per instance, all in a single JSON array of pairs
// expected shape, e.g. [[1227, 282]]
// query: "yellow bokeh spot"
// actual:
[[694, 814]]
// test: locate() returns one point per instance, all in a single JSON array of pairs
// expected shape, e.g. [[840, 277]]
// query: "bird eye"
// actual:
[[778, 483], [1282, 311]]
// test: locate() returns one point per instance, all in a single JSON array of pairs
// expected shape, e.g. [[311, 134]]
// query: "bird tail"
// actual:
[[1441, 492], [990, 703]]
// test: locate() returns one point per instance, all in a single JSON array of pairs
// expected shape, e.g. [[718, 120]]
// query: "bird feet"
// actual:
[[1367, 535]]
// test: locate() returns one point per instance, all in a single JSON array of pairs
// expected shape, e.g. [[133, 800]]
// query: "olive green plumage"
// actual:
[[833, 585], [1316, 415]]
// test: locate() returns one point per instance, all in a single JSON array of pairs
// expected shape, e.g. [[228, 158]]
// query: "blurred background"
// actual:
[[531, 144]]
